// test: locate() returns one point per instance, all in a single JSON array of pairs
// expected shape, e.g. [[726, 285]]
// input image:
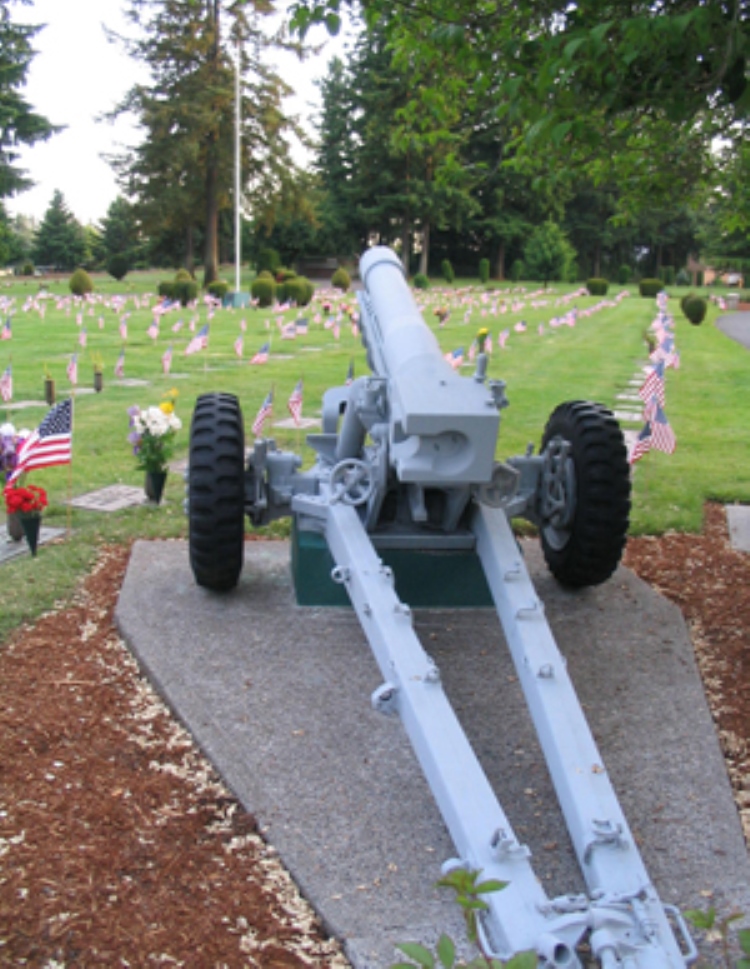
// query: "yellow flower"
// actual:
[[166, 407]]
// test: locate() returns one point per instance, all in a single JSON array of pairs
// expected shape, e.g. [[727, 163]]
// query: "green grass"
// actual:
[[708, 402]]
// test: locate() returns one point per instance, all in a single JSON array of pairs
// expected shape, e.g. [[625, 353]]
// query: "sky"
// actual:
[[77, 76]]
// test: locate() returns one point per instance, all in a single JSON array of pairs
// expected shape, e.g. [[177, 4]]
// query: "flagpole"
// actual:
[[237, 220]]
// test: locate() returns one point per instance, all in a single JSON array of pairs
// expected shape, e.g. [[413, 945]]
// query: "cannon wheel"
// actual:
[[216, 492], [584, 500]]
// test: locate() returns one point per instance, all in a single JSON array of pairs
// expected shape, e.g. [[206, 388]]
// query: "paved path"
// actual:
[[278, 698]]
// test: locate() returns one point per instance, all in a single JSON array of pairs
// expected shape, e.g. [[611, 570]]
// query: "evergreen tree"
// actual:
[[181, 175], [548, 255], [120, 237], [60, 239], [19, 123]]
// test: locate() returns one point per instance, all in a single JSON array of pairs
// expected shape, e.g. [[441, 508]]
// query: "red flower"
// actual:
[[29, 500]]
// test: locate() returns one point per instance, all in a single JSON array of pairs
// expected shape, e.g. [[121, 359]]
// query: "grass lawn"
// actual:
[[707, 398]]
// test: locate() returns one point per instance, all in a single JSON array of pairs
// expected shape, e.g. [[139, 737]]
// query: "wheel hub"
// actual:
[[558, 492]]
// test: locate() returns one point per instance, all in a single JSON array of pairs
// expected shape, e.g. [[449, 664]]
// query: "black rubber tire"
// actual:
[[216, 492], [589, 546]]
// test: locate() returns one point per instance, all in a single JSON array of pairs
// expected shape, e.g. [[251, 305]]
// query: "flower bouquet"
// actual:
[[25, 500], [10, 442], [152, 436], [27, 504]]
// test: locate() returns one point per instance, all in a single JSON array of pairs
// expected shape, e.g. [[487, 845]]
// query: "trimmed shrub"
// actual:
[[263, 289], [186, 291], [266, 274], [446, 271], [667, 273], [268, 259], [297, 289], [684, 300], [218, 288], [27, 269], [166, 288], [695, 309], [683, 277], [597, 286], [282, 274], [650, 287], [80, 283], [182, 276], [118, 265], [484, 270], [623, 275], [421, 281], [341, 279]]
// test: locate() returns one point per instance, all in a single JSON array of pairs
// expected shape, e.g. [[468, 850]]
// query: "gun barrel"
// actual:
[[442, 427]]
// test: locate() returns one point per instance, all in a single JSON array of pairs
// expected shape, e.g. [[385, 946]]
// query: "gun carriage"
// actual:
[[406, 458]]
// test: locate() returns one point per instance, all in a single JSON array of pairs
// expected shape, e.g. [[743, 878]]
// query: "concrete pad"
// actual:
[[738, 520], [277, 696], [629, 416]]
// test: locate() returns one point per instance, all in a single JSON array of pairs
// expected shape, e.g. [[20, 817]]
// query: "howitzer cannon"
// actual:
[[406, 459]]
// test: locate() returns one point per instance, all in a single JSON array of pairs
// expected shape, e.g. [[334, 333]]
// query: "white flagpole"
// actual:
[[237, 221]]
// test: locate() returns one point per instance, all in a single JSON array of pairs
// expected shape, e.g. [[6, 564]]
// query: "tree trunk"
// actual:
[[500, 262], [211, 249], [424, 257], [190, 251], [406, 244]]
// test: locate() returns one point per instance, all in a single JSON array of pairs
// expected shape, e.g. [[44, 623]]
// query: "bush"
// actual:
[[650, 287], [27, 269], [266, 274], [118, 265], [186, 291], [341, 279], [597, 286], [282, 274], [80, 283], [268, 259], [166, 288], [683, 277], [182, 276], [684, 300], [218, 288], [263, 288], [695, 309], [624, 274], [667, 273], [484, 270], [296, 289], [517, 270], [446, 271], [421, 281]]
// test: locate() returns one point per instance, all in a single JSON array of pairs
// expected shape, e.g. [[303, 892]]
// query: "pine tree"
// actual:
[[19, 124], [60, 241], [181, 175]]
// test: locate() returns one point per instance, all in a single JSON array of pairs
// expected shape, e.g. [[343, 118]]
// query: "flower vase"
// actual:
[[49, 391], [31, 525], [14, 526], [98, 381], [155, 481]]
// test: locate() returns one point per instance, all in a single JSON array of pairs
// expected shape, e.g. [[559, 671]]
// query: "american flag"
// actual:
[[262, 355], [82, 337], [301, 325], [295, 403], [653, 386], [456, 357], [73, 369], [263, 414], [153, 330], [520, 327], [50, 443], [120, 365], [166, 360], [238, 344], [123, 328], [199, 341], [662, 436], [7, 333], [6, 384], [642, 444], [502, 338]]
